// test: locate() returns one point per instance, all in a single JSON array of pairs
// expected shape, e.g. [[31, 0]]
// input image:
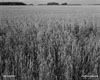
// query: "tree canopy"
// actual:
[[12, 3], [53, 3]]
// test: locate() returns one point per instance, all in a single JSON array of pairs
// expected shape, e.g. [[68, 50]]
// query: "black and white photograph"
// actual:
[[49, 39]]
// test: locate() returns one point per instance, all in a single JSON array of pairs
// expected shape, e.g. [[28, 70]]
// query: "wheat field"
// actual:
[[52, 43]]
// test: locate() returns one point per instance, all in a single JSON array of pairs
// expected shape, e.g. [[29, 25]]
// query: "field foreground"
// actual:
[[51, 46]]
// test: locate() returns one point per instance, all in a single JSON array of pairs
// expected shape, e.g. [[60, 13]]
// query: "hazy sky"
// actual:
[[60, 1]]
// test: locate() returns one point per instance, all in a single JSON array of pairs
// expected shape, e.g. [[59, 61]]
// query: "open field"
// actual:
[[49, 43]]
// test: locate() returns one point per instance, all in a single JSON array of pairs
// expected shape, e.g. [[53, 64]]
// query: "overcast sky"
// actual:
[[60, 1]]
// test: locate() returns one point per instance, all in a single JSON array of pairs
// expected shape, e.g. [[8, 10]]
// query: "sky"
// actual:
[[60, 1]]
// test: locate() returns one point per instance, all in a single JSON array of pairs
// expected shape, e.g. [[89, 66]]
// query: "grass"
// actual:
[[49, 48]]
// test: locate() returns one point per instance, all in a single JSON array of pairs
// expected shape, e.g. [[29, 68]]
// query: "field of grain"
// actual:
[[52, 43]]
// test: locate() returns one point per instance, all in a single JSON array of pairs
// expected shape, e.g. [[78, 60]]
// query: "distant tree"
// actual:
[[53, 3], [12, 3], [64, 4]]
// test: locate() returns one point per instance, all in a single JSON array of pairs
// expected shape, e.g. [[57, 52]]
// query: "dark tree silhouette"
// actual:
[[53, 3], [12, 3], [64, 4]]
